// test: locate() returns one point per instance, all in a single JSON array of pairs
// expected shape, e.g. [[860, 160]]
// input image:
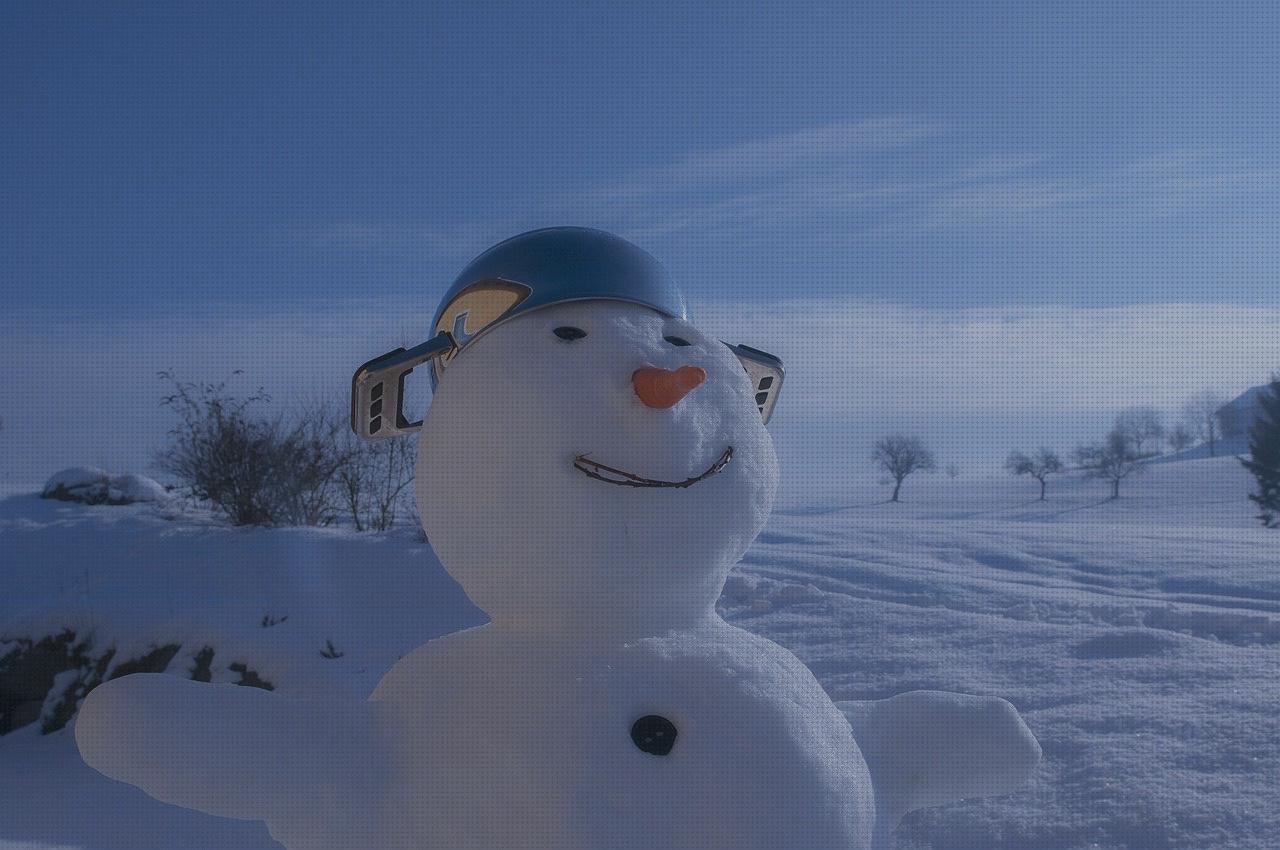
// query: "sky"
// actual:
[[988, 222]]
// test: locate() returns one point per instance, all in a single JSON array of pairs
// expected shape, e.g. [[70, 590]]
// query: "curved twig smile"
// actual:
[[610, 475]]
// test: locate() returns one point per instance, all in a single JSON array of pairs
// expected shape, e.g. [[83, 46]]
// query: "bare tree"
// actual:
[[1180, 437], [1142, 426], [373, 481], [1040, 466], [1201, 414], [900, 456], [1114, 460]]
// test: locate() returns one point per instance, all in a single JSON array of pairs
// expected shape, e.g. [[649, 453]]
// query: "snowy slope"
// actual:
[[1139, 638], [136, 576]]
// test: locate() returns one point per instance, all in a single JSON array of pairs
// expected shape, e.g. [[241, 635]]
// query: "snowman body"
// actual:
[[507, 740], [523, 733]]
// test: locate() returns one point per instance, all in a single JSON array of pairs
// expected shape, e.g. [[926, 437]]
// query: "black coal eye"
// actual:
[[676, 340], [569, 333]]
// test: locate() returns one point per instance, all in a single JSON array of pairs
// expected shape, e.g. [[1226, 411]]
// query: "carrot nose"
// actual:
[[663, 388]]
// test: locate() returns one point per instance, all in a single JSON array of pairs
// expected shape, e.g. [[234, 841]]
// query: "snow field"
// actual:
[[1140, 640]]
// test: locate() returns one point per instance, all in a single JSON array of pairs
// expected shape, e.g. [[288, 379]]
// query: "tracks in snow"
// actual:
[[1207, 583]]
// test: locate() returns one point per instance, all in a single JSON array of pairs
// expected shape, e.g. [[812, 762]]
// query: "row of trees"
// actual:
[[1133, 440], [1137, 434], [1114, 459], [1145, 428]]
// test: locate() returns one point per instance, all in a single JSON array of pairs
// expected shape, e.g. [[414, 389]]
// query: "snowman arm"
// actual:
[[227, 750], [928, 748]]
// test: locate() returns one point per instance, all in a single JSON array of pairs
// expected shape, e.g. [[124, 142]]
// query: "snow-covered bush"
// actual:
[[45, 679], [94, 486]]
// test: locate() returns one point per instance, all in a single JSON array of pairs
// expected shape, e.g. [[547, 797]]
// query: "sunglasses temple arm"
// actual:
[[379, 384], [766, 374]]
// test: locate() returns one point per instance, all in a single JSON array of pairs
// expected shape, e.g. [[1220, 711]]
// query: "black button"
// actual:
[[654, 734]]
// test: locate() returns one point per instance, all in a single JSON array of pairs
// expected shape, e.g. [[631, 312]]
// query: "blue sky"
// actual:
[[170, 168]]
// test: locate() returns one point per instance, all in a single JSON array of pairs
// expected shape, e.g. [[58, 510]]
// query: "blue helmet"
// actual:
[[545, 267], [518, 275], [570, 264]]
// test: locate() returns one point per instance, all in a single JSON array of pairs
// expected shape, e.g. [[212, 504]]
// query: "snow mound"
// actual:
[[94, 486]]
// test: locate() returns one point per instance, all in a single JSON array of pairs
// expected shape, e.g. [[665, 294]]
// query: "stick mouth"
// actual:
[[612, 475]]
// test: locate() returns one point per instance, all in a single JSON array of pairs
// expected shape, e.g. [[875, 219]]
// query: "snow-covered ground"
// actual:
[[1139, 638]]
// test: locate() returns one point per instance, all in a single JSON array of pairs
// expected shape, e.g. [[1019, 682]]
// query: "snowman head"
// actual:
[[594, 463]]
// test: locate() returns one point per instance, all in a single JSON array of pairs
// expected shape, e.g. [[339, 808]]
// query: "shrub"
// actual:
[[372, 485], [256, 470]]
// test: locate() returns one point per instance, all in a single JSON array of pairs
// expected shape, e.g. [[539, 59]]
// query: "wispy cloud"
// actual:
[[839, 184], [769, 159], [356, 235], [1147, 188], [850, 358], [992, 166], [997, 203], [829, 181], [744, 185]]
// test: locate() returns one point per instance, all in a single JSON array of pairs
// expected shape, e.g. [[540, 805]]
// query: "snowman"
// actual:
[[590, 468]]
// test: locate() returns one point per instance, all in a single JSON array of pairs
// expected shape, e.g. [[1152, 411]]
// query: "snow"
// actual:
[[139, 576], [95, 486], [76, 477], [136, 488], [1138, 638]]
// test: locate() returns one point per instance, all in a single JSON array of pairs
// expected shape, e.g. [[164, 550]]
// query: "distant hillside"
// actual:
[[1226, 447], [1238, 415]]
